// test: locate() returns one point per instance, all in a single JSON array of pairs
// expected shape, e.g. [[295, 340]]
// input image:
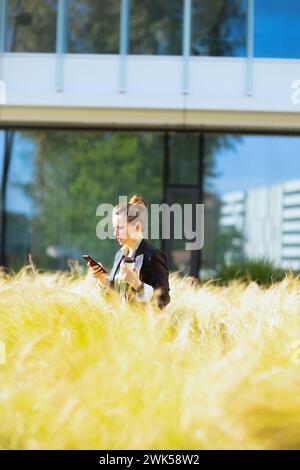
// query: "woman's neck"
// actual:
[[132, 243]]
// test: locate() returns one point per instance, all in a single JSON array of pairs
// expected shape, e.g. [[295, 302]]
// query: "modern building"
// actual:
[[187, 101], [267, 219]]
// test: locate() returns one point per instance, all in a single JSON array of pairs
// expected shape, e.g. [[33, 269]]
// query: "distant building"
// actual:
[[268, 219]]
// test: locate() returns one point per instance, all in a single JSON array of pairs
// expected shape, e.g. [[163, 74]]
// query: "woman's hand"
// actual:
[[130, 277], [98, 274]]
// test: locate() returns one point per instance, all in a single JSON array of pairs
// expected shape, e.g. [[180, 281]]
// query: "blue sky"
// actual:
[[258, 161], [21, 170], [277, 28]]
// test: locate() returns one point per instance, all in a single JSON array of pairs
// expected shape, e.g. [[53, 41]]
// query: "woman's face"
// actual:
[[123, 231], [120, 226]]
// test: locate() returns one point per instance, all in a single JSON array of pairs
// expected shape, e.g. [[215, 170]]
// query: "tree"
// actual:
[[74, 172]]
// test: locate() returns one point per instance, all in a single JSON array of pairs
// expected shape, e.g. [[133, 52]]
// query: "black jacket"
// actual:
[[153, 271]]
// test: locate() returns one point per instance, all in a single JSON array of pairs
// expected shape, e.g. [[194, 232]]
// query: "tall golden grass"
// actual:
[[219, 368]]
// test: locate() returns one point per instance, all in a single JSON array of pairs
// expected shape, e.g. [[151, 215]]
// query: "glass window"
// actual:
[[93, 26], [58, 178], [183, 158], [219, 28], [2, 145], [30, 26], [156, 27], [178, 199], [252, 200], [277, 29]]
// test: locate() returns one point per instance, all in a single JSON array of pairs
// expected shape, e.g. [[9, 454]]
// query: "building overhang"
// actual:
[[163, 119]]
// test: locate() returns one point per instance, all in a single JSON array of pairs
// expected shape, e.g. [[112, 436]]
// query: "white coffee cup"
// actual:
[[129, 263]]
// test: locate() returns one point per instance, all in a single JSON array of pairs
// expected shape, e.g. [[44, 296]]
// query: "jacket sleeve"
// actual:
[[158, 272]]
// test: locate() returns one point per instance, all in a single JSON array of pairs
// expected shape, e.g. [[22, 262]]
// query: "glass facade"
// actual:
[[93, 26], [57, 178], [56, 181], [156, 27], [277, 29], [252, 200], [218, 28], [182, 190], [2, 145], [30, 25], [183, 162]]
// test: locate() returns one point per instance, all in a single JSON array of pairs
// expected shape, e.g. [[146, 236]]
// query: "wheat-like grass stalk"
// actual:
[[219, 368]]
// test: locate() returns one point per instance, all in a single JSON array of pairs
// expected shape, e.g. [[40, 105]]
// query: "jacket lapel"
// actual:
[[118, 259], [139, 261], [139, 255], [140, 248]]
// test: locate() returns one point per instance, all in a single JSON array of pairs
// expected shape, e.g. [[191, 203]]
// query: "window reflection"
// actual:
[[219, 27], [57, 179], [184, 156], [180, 257], [277, 29], [2, 146], [31, 26], [93, 26], [2, 139], [252, 200], [156, 27]]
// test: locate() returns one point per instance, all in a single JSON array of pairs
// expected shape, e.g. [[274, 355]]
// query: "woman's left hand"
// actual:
[[130, 277]]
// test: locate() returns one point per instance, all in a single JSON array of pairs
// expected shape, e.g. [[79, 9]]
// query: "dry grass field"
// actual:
[[219, 368]]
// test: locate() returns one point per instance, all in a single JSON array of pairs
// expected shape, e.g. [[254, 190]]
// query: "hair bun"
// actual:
[[138, 199]]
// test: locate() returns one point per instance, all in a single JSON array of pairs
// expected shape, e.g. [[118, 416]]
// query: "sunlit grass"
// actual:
[[218, 368]]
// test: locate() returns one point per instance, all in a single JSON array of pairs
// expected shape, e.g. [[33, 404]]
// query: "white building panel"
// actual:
[[263, 223], [150, 82], [291, 239], [233, 197], [291, 199], [291, 213], [232, 221], [291, 264], [237, 208], [292, 226], [290, 186], [293, 252]]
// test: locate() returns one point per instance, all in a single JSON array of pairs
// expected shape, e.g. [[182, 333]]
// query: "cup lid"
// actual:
[[128, 259]]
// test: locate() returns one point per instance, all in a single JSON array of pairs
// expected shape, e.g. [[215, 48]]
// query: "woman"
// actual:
[[149, 280]]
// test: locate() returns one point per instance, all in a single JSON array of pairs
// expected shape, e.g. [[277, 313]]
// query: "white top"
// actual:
[[131, 251], [147, 292]]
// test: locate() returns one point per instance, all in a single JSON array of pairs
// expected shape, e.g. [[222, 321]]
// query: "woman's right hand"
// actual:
[[98, 274]]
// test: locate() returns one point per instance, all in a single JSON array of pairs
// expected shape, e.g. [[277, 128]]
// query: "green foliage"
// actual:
[[70, 173], [260, 270], [31, 26], [75, 172]]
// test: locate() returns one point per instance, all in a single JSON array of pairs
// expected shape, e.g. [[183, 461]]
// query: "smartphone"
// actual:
[[88, 258]]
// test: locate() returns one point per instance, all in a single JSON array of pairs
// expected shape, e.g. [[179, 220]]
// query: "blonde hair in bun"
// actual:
[[135, 210], [138, 199]]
